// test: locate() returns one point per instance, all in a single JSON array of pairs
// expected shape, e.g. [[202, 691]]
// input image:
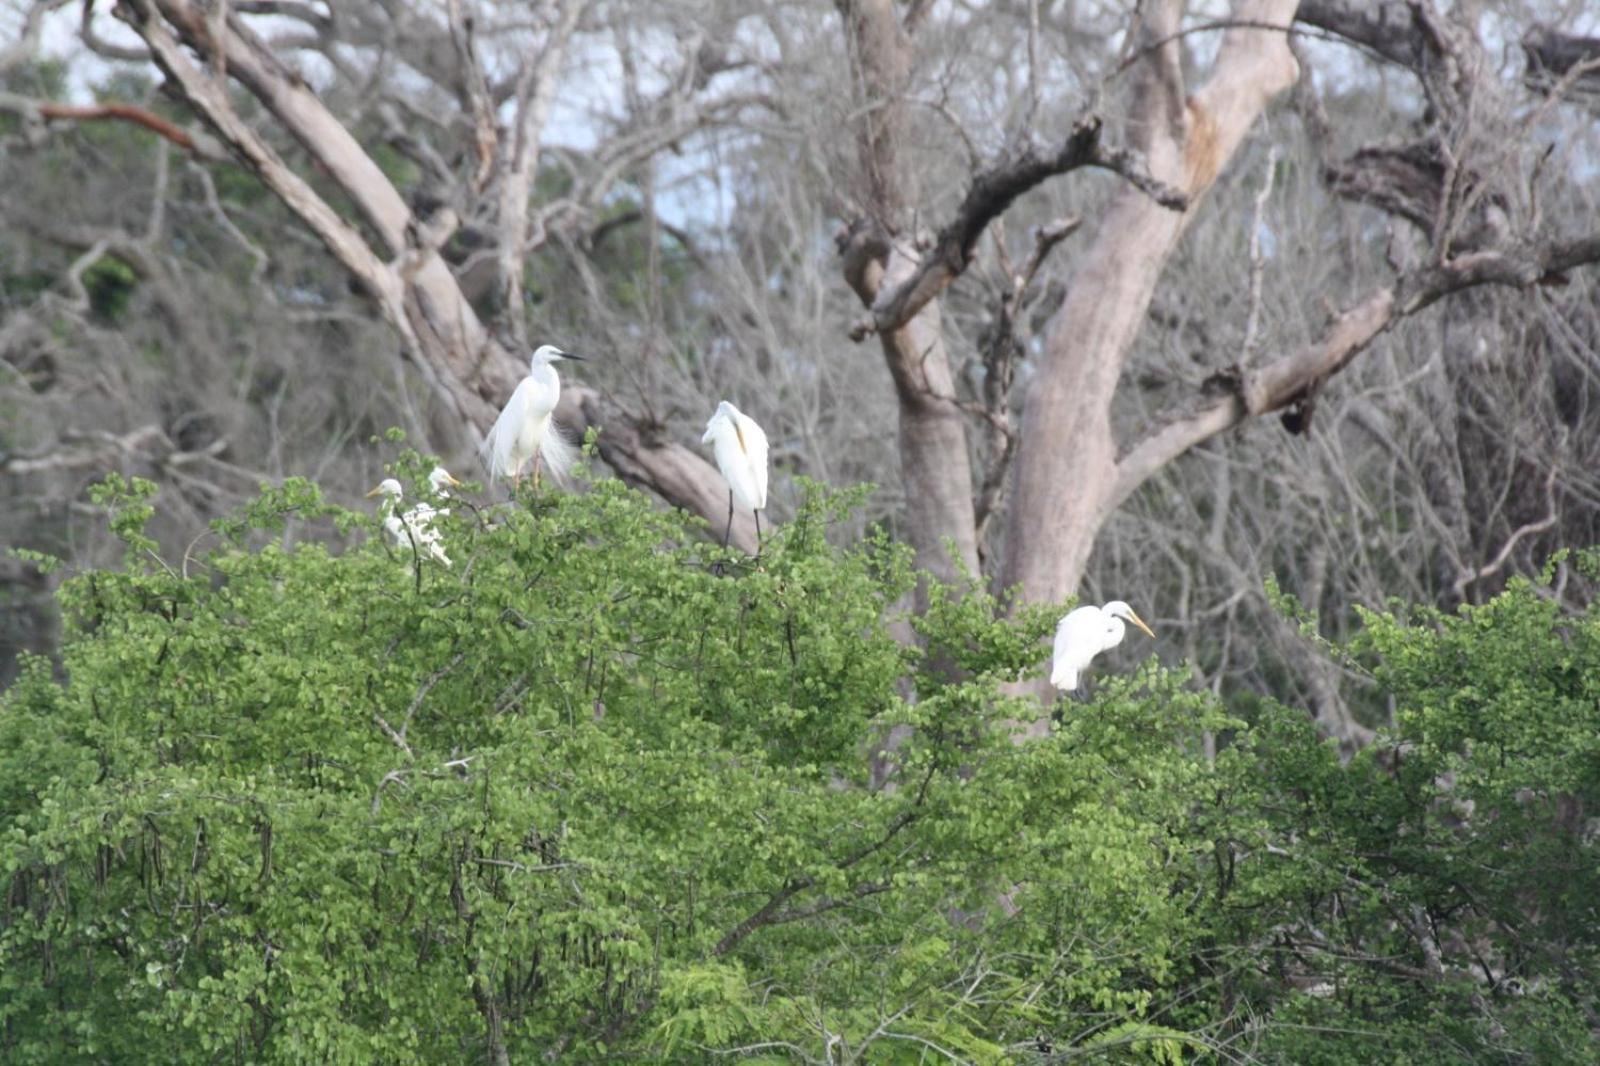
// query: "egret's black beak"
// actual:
[[578, 358]]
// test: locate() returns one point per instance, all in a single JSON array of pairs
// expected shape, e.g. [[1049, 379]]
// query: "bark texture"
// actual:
[[881, 255], [1066, 473]]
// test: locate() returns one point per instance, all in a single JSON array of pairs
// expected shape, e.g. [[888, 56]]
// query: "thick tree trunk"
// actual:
[[934, 465], [1067, 474]]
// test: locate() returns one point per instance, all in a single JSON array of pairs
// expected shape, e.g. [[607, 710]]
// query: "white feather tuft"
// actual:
[[559, 453]]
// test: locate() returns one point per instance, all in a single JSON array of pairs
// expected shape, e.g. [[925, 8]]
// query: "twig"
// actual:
[[427, 686], [1253, 319], [1494, 566]]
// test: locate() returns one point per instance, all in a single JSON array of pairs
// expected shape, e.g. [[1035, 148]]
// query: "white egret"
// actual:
[[440, 481], [1085, 633], [415, 527], [525, 431], [741, 451]]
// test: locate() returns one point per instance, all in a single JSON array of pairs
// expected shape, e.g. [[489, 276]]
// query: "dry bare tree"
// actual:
[[1056, 345], [1469, 178]]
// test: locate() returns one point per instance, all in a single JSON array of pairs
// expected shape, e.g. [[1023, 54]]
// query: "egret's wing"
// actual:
[[500, 445], [1078, 638], [755, 451], [734, 463]]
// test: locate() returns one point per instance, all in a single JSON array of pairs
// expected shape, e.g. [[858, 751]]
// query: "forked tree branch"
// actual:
[[201, 146], [209, 97], [1229, 398], [991, 193], [235, 48]]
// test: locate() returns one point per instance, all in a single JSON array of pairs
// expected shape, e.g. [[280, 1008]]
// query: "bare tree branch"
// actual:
[[26, 43], [1233, 396], [247, 58], [988, 197], [519, 160], [642, 455], [1554, 57], [1528, 529], [1391, 28], [199, 145]]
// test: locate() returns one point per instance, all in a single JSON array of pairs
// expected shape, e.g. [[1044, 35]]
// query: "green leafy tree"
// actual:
[[600, 789]]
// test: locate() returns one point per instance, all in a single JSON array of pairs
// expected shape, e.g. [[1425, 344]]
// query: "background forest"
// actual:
[[1279, 321]]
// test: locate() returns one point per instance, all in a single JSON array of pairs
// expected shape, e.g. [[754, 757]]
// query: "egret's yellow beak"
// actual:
[[1133, 617], [374, 492], [450, 479]]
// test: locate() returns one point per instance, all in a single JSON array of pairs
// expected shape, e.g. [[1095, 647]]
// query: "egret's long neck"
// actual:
[[546, 376]]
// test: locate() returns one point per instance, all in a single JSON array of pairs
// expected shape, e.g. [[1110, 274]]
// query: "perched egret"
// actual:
[[415, 527], [741, 450], [1085, 633], [525, 429], [440, 480]]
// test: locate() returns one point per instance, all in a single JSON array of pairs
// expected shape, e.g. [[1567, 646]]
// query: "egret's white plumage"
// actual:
[[741, 451], [1085, 633], [415, 526], [740, 448], [441, 480], [525, 431]]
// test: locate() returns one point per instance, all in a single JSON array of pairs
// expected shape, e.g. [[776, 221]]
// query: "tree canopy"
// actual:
[[598, 790]]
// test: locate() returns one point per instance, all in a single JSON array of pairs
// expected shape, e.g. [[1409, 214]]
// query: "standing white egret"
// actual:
[[741, 450], [525, 429], [1085, 633], [415, 527]]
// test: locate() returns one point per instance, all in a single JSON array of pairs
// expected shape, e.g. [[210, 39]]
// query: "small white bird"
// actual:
[[440, 481], [525, 431], [415, 527], [741, 451], [1085, 633]]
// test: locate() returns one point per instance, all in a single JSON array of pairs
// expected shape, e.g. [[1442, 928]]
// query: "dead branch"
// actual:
[[642, 456], [993, 191], [27, 40], [1235, 395], [1553, 56], [1489, 569]]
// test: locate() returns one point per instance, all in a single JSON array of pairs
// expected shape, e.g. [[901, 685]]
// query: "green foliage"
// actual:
[[110, 283], [1440, 887], [601, 788]]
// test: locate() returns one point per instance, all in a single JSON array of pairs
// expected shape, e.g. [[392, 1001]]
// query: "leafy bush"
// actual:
[[601, 789]]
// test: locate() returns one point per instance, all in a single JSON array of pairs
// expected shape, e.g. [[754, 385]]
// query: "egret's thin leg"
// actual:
[[727, 534], [757, 515], [536, 458]]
